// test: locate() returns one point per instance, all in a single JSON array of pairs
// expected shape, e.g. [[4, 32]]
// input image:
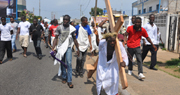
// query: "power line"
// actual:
[[87, 6]]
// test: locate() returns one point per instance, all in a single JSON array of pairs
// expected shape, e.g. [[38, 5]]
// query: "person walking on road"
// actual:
[[83, 33], [52, 30], [107, 78], [66, 35], [23, 33], [5, 42], [46, 33], [151, 29], [37, 32], [14, 25], [134, 33]]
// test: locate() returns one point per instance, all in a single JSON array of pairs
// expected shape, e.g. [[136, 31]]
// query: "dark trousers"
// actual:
[[137, 52], [46, 40], [146, 48], [5, 45], [80, 61], [37, 46]]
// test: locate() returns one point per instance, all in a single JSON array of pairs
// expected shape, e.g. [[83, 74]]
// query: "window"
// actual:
[[157, 7], [144, 10], [139, 12], [150, 9]]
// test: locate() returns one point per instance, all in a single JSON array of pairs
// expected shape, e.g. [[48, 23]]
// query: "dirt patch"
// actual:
[[171, 71]]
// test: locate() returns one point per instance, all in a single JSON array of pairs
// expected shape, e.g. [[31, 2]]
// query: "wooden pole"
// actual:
[[95, 10]]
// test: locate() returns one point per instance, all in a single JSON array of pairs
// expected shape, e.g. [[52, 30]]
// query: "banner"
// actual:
[[8, 8]]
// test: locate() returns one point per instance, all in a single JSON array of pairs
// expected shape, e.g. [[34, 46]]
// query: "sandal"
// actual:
[[64, 81], [70, 84], [25, 55]]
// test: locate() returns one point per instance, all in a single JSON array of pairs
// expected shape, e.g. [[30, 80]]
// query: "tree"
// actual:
[[29, 16], [99, 11]]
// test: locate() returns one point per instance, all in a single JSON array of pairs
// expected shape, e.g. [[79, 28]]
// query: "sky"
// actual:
[[72, 7]]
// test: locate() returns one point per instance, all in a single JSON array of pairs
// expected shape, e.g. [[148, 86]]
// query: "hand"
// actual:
[[90, 47], [78, 52], [125, 42], [155, 48], [144, 43], [123, 64], [107, 19], [42, 36]]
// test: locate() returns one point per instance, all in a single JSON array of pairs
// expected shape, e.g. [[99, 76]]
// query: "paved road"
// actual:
[[31, 76]]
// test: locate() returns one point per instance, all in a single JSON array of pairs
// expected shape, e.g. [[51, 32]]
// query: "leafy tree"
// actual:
[[99, 11], [29, 16]]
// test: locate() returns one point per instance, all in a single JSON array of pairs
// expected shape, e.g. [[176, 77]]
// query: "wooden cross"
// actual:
[[114, 28]]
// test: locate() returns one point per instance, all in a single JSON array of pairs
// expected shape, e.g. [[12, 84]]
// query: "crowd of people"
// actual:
[[66, 37]]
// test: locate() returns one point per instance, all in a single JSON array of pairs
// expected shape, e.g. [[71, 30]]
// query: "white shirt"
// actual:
[[158, 37], [24, 28], [5, 32], [152, 33], [108, 72], [100, 31]]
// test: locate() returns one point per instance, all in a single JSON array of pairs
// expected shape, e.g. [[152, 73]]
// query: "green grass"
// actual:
[[173, 64]]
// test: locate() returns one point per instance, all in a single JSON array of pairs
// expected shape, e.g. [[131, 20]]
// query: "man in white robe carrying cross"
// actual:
[[107, 78]]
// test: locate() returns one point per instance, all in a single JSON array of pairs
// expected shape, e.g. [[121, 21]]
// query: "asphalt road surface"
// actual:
[[31, 76]]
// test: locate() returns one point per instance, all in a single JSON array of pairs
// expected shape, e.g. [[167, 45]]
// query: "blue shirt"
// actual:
[[87, 28]]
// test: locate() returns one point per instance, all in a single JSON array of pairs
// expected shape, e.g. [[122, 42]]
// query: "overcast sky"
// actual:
[[72, 7]]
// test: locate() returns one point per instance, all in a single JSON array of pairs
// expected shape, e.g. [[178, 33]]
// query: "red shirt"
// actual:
[[53, 29], [135, 36]]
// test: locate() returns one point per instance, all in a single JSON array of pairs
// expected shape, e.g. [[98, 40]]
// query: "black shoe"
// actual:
[[153, 68], [81, 75], [76, 74], [40, 57]]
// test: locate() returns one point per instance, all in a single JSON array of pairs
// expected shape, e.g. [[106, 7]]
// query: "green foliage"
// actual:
[[99, 11], [163, 48], [29, 16], [172, 62]]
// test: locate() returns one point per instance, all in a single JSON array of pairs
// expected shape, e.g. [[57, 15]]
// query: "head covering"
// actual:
[[120, 37]]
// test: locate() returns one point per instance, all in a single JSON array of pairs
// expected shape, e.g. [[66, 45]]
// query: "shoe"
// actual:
[[14, 50], [10, 59], [81, 75], [129, 72], [40, 57], [153, 68], [141, 76], [0, 62]]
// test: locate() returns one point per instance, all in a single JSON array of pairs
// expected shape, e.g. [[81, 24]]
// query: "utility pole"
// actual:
[[33, 10], [95, 10], [39, 7], [80, 10]]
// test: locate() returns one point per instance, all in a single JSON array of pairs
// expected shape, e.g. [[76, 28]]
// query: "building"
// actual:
[[167, 13], [21, 4], [145, 7]]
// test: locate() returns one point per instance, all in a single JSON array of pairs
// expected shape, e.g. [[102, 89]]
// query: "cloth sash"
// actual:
[[61, 50], [83, 39]]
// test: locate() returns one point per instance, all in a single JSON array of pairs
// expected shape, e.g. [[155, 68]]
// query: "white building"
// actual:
[[166, 18], [144, 7], [21, 4]]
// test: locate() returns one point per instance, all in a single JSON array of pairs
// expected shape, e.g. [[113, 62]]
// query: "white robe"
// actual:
[[82, 39], [93, 40], [108, 72], [61, 50]]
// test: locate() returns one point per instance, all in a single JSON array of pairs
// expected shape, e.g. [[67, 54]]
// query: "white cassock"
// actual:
[[93, 40], [61, 50], [108, 71]]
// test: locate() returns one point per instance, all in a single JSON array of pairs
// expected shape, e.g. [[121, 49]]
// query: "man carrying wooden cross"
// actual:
[[107, 69]]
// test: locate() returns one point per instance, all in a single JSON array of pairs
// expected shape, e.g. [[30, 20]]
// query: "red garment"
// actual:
[[53, 29], [134, 36]]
